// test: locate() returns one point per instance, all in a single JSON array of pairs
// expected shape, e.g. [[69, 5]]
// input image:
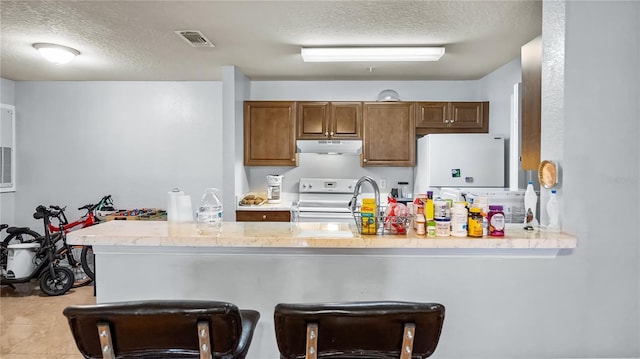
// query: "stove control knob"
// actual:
[[310, 186], [304, 186]]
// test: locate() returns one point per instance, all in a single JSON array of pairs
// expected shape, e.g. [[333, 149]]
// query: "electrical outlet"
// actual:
[[383, 183]]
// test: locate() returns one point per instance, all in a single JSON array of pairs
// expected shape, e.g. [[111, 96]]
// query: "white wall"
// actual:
[[7, 199], [78, 141], [497, 88], [601, 129]]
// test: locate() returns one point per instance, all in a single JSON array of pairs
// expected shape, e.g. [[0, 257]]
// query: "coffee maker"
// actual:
[[274, 188]]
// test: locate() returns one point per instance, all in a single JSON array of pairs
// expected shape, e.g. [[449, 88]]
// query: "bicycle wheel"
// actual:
[[58, 284], [81, 278], [21, 237], [87, 258]]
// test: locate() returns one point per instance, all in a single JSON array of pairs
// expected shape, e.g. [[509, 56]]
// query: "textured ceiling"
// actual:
[[135, 40]]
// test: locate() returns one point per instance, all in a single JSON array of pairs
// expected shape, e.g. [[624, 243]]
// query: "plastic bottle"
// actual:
[[459, 220], [496, 221], [530, 202], [475, 222], [554, 213], [209, 216], [420, 225], [428, 207]]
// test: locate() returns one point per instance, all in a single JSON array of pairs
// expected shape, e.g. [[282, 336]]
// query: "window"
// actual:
[[7, 148]]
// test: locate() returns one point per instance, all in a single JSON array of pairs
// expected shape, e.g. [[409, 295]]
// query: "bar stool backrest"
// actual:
[[156, 329], [358, 329]]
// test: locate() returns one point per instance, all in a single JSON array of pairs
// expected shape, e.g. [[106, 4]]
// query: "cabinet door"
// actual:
[[263, 216], [313, 120], [346, 120], [531, 55], [269, 133], [388, 134], [468, 115], [432, 115]]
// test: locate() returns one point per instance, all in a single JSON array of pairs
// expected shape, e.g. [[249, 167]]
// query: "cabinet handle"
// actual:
[[326, 133], [264, 217], [364, 160], [331, 133], [293, 160]]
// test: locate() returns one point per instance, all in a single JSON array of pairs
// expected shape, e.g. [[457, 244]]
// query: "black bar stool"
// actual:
[[162, 329], [358, 329]]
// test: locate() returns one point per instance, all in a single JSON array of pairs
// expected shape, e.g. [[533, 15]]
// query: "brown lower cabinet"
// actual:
[[263, 216]]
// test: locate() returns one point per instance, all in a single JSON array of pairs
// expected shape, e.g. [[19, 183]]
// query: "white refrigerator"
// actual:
[[459, 160]]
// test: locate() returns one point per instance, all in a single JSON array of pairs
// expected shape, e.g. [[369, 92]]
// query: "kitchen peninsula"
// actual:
[[258, 265]]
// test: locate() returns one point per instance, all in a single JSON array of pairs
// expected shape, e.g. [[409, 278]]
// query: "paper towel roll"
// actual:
[[172, 204], [183, 204]]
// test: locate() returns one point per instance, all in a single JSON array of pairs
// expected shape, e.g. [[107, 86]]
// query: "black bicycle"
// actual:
[[43, 264]]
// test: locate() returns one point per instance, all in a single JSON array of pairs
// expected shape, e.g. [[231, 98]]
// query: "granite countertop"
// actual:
[[299, 235]]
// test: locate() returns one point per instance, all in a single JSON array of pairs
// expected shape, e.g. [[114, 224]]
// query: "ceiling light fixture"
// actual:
[[361, 54], [57, 54]]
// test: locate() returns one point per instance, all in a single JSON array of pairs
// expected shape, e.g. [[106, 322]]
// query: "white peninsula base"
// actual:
[[257, 266]]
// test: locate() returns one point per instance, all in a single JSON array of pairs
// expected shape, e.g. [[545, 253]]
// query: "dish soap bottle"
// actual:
[[553, 211], [530, 202], [209, 216]]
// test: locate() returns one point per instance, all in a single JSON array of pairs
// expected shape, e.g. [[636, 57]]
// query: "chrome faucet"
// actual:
[[356, 190]]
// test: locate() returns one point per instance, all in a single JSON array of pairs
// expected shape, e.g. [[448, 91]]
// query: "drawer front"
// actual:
[[263, 216]]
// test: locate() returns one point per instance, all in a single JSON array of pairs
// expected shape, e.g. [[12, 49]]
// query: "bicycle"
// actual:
[[70, 256], [54, 279], [86, 258]]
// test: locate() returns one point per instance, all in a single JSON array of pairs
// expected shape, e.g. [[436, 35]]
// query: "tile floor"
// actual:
[[32, 325]]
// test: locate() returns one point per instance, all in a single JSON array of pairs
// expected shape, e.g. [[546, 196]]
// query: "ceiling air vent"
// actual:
[[194, 38]]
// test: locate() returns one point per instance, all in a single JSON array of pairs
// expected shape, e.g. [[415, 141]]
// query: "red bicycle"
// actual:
[[81, 257]]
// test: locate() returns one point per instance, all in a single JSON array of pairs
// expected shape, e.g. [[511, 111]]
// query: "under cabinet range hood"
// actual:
[[332, 147]]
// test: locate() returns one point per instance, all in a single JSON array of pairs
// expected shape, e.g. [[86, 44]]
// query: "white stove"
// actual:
[[325, 199]]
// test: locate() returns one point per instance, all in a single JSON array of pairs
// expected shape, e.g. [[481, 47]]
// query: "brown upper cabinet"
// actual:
[[452, 117], [269, 133], [388, 134], [531, 57], [329, 120]]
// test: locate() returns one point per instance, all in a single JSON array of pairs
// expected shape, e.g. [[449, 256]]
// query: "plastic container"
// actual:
[[209, 215], [553, 211], [530, 203], [21, 259], [431, 229], [441, 210], [475, 222], [496, 221], [428, 207], [421, 228], [459, 220], [443, 227]]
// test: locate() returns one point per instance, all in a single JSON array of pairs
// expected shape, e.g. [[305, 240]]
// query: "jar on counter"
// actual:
[[496, 221], [421, 227], [443, 227], [431, 229], [459, 219], [475, 222]]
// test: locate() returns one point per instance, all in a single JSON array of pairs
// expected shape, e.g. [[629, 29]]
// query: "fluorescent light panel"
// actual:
[[365, 54]]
